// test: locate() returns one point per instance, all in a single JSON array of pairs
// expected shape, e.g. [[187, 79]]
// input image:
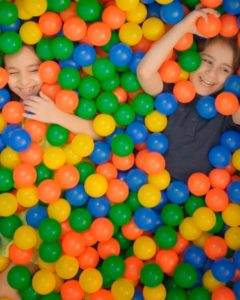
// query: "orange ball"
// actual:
[[130, 231], [181, 244], [67, 100], [223, 293], [108, 170], [113, 17], [98, 34], [226, 103], [211, 3], [184, 91], [71, 290], [48, 71], [69, 12], [101, 294], [217, 199], [215, 247], [167, 260], [211, 28], [67, 176], [219, 178], [50, 23], [19, 256], [24, 175], [36, 129], [3, 77], [144, 45], [89, 238], [117, 191], [140, 157], [75, 28], [88, 259], [121, 94], [170, 71], [107, 248], [33, 155], [102, 229], [229, 26], [13, 112], [133, 268], [153, 163], [50, 90], [198, 184], [49, 191], [185, 42], [73, 243], [123, 163]]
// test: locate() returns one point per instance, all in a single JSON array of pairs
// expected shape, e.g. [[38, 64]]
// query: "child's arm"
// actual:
[[236, 117], [147, 71], [42, 108]]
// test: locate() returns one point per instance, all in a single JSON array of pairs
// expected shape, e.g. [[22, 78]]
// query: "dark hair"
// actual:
[[231, 42]]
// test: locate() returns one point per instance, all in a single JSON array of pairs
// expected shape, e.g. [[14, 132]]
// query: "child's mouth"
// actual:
[[205, 82]]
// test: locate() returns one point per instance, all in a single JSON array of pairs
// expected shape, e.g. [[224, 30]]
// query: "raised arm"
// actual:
[[236, 117]]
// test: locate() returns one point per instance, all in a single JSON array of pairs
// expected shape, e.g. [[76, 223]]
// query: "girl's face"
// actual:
[[24, 79], [216, 66]]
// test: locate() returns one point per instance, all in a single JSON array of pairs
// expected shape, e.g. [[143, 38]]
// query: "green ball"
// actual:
[[191, 3], [194, 46], [113, 267], [113, 41], [166, 237], [1, 60], [89, 10], [86, 109], [57, 135], [124, 115], [43, 173], [6, 180], [19, 277], [151, 275], [130, 82], [122, 145], [29, 294], [111, 84], [49, 230], [10, 42], [218, 225], [172, 214], [50, 252], [52, 296], [59, 5], [69, 78], [44, 49], [103, 68], [176, 294], [123, 242], [132, 201], [120, 214], [199, 293], [85, 169], [107, 103], [9, 225], [185, 275], [193, 203], [89, 87], [80, 219], [189, 60], [143, 104], [8, 13], [62, 47]]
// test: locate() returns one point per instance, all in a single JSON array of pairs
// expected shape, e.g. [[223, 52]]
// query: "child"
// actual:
[[25, 82], [191, 137]]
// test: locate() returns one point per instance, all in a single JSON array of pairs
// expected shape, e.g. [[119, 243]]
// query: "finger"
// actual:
[[44, 96], [31, 116], [211, 11]]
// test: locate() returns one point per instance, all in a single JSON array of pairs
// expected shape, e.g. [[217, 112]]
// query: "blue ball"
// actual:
[[233, 191], [138, 294], [231, 140], [2, 143], [223, 270], [84, 55], [236, 259], [236, 289], [76, 196], [219, 156], [195, 256], [205, 107], [145, 218], [232, 84], [166, 103], [101, 153], [163, 202], [4, 97], [172, 13], [157, 142], [135, 179], [70, 62], [120, 54], [135, 60], [12, 27], [98, 207], [20, 140], [137, 132], [177, 192], [231, 7], [153, 10], [8, 131], [35, 215], [122, 175]]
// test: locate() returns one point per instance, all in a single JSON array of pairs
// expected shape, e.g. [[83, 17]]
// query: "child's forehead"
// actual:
[[25, 57]]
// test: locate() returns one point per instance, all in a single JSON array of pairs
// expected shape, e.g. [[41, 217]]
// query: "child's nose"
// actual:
[[25, 79]]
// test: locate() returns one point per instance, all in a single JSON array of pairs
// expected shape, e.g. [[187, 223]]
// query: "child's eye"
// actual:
[[207, 61], [33, 71], [13, 73]]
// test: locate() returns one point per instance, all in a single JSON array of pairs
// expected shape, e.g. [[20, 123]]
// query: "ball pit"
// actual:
[[105, 219]]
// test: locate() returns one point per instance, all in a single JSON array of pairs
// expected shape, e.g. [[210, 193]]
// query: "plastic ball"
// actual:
[[172, 13], [113, 16], [230, 139], [217, 199], [151, 275], [153, 29], [61, 47], [10, 43], [96, 185], [230, 215], [120, 54], [43, 282], [233, 191], [30, 33], [223, 270], [54, 157], [236, 159], [13, 112], [155, 121], [19, 277], [72, 290], [58, 7], [204, 218], [25, 237], [143, 104], [184, 91], [89, 11], [177, 192], [211, 28], [98, 34], [198, 184], [166, 104], [232, 85], [226, 103], [206, 107], [215, 247], [130, 33], [80, 219], [9, 13], [98, 207], [75, 28], [155, 293], [84, 55], [122, 289], [135, 179], [185, 275], [219, 156], [232, 238], [6, 179], [144, 247], [67, 267], [49, 230], [166, 237], [145, 218], [8, 204], [189, 230], [149, 195]]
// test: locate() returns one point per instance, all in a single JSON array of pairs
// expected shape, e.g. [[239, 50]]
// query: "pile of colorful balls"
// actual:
[[102, 220]]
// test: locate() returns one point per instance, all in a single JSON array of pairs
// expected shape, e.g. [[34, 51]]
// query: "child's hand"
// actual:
[[5, 289], [190, 21], [41, 108]]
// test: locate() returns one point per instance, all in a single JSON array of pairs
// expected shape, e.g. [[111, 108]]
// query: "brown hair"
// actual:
[[231, 42]]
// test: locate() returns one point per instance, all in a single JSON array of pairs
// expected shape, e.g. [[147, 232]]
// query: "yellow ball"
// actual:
[[59, 283], [130, 33], [202, 239], [156, 293], [164, 1], [209, 281], [35, 8], [144, 247], [27, 196], [160, 180], [153, 28], [54, 157], [88, 70], [184, 75], [25, 237], [231, 215], [122, 289], [236, 159], [138, 14], [43, 282], [189, 230], [67, 267], [8, 204], [232, 238], [71, 157], [22, 13], [204, 218], [44, 265], [127, 5], [155, 121], [149, 195], [82, 145], [96, 185], [91, 280], [10, 158], [59, 210], [3, 123], [104, 124], [30, 33], [4, 262]]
